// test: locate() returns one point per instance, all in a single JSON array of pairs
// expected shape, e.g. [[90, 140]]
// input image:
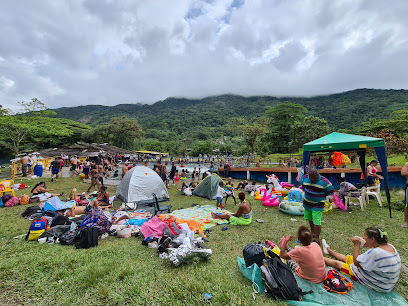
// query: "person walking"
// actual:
[[316, 188]]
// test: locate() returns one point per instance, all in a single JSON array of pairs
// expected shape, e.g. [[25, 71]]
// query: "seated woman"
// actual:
[[102, 198], [307, 260], [41, 191], [242, 185], [345, 188], [372, 173], [378, 268], [243, 216]]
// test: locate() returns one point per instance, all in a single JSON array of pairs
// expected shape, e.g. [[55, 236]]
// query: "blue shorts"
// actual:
[[370, 180], [219, 200], [55, 170]]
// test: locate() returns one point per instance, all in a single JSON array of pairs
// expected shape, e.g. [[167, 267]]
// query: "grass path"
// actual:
[[122, 271]]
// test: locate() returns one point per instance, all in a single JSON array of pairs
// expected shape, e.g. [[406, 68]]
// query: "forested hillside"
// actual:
[[347, 110]]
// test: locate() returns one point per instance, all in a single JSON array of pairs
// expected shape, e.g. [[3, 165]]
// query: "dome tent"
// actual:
[[139, 184], [208, 187]]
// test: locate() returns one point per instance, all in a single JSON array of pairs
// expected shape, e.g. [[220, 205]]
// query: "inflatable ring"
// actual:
[[292, 208], [257, 196], [176, 178], [183, 178]]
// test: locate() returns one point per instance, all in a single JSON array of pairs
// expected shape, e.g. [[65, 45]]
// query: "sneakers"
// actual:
[[325, 246]]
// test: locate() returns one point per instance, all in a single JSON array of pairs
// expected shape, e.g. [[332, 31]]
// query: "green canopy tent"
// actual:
[[347, 142]]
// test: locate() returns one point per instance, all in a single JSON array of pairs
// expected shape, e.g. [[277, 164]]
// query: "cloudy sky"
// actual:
[[127, 51]]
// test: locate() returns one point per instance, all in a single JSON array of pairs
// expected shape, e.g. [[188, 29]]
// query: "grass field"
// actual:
[[122, 271]]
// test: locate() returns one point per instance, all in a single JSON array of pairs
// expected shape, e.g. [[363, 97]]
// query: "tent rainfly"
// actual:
[[139, 184], [208, 187], [347, 142]]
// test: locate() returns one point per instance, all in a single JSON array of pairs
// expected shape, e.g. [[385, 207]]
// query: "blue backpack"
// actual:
[[36, 229], [1, 203]]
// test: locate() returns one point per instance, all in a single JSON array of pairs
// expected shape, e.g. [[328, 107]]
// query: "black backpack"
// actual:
[[89, 238], [279, 281], [31, 211], [69, 237], [55, 231], [254, 253]]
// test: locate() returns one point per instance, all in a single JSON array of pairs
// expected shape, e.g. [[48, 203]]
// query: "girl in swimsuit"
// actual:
[[39, 188]]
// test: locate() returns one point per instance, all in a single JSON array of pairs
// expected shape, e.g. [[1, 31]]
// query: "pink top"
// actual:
[[311, 262]]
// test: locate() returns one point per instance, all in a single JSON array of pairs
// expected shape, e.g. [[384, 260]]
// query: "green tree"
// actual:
[[121, 132], [282, 120], [19, 126], [203, 147], [250, 133]]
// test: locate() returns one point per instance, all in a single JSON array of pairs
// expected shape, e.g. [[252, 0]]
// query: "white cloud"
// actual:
[[110, 52]]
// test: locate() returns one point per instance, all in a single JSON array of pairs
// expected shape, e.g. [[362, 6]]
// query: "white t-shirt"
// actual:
[[221, 192], [379, 270]]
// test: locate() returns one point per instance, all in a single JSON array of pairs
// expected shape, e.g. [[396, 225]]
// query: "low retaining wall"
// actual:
[[352, 175]]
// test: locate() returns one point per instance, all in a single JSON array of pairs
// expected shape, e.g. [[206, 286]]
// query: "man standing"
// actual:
[[316, 188], [55, 168], [404, 172], [23, 166]]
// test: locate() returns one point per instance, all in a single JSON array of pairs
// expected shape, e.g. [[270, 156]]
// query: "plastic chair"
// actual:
[[158, 208], [8, 186], [376, 192], [361, 198]]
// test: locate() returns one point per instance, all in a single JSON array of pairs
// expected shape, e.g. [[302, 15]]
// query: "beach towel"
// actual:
[[96, 218], [153, 228], [201, 214]]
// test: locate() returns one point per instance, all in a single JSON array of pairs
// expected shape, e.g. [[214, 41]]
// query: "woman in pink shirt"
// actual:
[[307, 260]]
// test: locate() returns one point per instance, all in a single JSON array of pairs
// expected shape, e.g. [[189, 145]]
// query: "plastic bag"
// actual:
[[253, 273]]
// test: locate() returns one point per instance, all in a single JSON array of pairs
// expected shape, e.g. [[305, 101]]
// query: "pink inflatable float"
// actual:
[[269, 200]]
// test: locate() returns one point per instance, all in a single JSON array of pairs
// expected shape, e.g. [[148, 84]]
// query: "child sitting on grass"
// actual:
[[307, 260], [243, 216]]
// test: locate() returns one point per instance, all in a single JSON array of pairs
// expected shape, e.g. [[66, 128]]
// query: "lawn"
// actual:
[[122, 271]]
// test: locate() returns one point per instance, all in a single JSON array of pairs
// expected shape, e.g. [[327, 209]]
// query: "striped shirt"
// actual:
[[379, 270], [316, 192]]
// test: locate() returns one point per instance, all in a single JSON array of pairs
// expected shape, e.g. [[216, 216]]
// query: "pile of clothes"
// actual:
[[175, 241]]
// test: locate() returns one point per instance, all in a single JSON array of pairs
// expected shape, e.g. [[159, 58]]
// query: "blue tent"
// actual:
[[348, 142]]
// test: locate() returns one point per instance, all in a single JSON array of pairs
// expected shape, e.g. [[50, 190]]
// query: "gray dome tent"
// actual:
[[139, 184]]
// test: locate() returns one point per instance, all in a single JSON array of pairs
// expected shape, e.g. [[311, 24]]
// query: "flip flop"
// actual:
[[404, 226]]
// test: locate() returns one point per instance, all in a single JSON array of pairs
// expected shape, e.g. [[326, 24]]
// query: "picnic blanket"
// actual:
[[359, 295], [140, 214], [201, 214]]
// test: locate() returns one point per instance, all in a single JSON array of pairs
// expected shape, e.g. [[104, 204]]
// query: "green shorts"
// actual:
[[314, 216], [239, 221]]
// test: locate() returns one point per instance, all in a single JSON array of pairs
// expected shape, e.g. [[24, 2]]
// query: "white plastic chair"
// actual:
[[361, 198], [376, 192]]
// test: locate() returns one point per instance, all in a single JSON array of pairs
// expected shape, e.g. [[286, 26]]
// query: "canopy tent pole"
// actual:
[[306, 158], [362, 160], [382, 158]]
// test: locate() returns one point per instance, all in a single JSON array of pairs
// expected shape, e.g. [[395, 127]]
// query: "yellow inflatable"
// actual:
[[257, 196], [328, 207]]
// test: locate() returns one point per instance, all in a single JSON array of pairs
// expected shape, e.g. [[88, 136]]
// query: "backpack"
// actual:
[[279, 281], [6, 197], [31, 211], [254, 253], [12, 202], [50, 216], [1, 202], [56, 231], [69, 237], [336, 282], [24, 200], [37, 227], [61, 220], [172, 230], [88, 238]]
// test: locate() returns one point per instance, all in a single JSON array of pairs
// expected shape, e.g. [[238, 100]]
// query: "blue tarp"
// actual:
[[359, 295]]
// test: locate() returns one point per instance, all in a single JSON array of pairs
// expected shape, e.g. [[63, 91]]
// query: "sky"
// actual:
[[69, 53]]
